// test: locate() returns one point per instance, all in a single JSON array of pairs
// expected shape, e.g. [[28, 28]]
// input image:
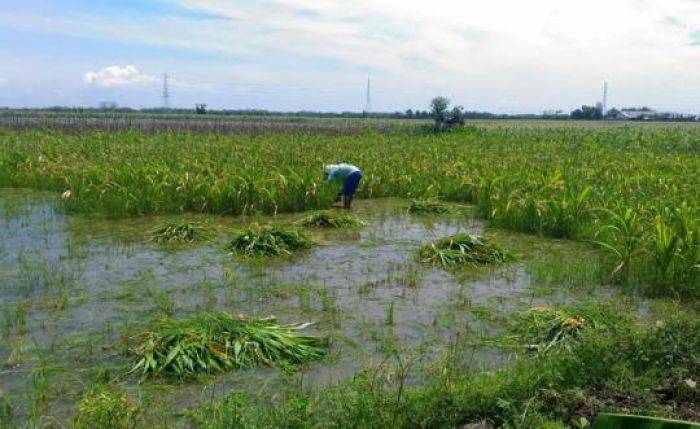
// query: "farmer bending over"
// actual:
[[350, 177]]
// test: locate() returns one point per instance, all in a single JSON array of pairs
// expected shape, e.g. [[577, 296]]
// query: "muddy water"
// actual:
[[70, 287]]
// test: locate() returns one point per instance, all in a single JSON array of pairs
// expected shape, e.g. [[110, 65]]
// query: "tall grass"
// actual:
[[560, 182]]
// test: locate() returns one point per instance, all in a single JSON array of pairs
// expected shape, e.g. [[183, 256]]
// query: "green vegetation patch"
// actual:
[[542, 328], [268, 240], [558, 180], [179, 232], [462, 249], [428, 207], [630, 369], [329, 219], [103, 407], [219, 341]]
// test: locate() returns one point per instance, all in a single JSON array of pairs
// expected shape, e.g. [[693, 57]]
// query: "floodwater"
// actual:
[[71, 287]]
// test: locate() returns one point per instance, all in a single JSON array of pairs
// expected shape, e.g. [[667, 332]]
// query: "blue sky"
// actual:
[[502, 55]]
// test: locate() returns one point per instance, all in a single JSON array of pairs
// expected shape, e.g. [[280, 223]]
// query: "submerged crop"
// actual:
[[183, 231]]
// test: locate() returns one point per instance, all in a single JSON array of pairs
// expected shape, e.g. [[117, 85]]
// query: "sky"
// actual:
[[505, 56]]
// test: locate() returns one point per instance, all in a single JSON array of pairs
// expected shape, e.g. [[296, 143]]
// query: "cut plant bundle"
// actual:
[[431, 206], [542, 328], [182, 231], [462, 249], [329, 219], [219, 341], [268, 240]]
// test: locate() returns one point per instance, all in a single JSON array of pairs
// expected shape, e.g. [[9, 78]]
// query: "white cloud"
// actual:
[[117, 76]]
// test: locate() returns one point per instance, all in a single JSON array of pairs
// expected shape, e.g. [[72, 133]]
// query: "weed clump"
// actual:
[[428, 207], [219, 341], [104, 408], [329, 219], [179, 232], [462, 249], [268, 240]]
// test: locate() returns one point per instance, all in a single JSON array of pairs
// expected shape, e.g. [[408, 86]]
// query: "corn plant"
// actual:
[[623, 237]]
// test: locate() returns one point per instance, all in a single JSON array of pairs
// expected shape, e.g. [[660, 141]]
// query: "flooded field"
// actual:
[[74, 288]]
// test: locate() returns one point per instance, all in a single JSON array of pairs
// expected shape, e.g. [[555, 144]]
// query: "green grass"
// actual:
[[218, 341], [268, 240], [329, 219], [461, 250], [179, 232]]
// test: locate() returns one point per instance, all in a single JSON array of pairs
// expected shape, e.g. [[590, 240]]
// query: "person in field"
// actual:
[[349, 176]]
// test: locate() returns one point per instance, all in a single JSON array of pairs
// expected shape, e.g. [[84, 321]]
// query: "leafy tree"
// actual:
[[456, 116], [587, 112], [438, 108], [444, 118], [612, 113]]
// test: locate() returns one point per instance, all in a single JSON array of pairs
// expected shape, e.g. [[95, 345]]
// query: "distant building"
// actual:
[[643, 114]]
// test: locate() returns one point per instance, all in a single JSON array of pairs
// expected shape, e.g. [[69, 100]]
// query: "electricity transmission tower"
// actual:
[[605, 97], [166, 92], [368, 104]]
